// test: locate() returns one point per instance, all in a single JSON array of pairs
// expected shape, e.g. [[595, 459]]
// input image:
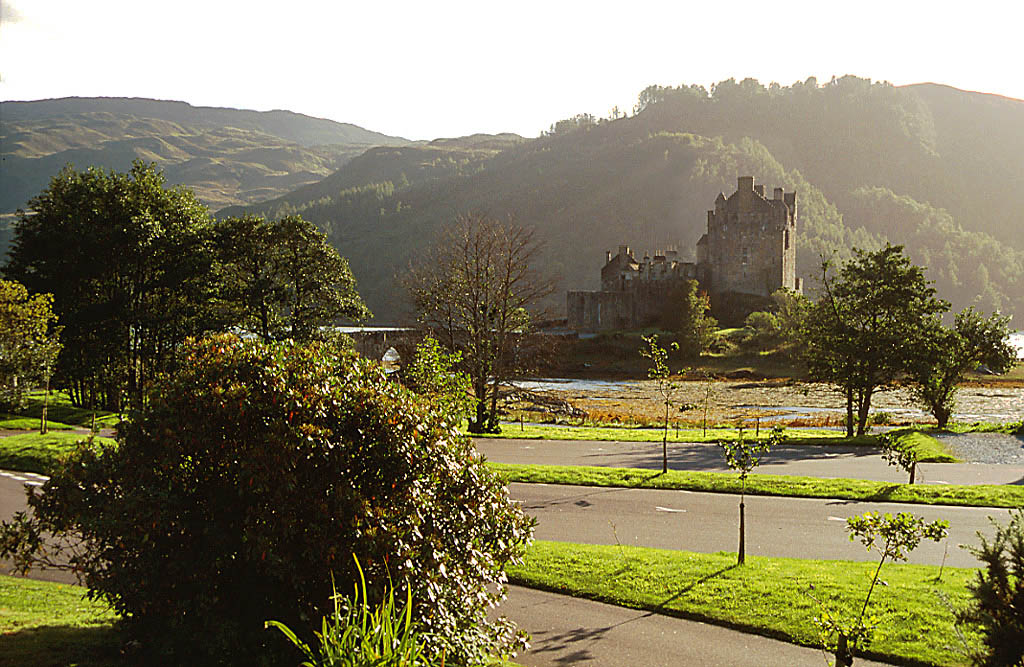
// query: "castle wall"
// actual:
[[600, 311], [748, 252]]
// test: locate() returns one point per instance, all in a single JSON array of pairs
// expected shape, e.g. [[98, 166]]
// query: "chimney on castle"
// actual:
[[607, 256], [624, 251], [745, 183], [778, 194]]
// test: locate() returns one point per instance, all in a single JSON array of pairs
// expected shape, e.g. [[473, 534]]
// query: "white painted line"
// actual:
[[33, 483], [836, 518], [667, 509]]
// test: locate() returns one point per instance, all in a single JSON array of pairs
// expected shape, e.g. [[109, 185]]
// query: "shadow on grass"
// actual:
[[885, 493], [60, 645], [660, 607]]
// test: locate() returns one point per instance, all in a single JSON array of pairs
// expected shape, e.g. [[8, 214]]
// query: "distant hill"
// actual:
[[870, 163], [228, 156]]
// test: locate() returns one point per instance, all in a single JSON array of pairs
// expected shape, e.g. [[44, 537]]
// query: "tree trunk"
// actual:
[[664, 444], [849, 412], [863, 407], [743, 546], [913, 471], [844, 656]]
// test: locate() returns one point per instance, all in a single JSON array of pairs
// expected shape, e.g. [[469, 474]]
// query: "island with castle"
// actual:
[[748, 252]]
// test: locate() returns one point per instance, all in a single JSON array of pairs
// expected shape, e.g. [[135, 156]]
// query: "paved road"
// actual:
[[569, 631], [707, 522], [809, 460]]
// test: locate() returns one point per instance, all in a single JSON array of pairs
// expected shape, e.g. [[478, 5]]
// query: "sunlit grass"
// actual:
[[979, 495], [768, 596]]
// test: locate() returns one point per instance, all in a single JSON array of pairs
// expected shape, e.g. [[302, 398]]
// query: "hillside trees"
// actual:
[[474, 290], [866, 329], [129, 267], [241, 490], [29, 341], [282, 279]]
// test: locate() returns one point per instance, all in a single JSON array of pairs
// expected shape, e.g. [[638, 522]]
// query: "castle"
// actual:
[[748, 253]]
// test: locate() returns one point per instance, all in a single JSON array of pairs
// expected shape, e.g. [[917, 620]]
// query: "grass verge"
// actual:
[[767, 595], [61, 410], [31, 452], [644, 434], [46, 624], [927, 448], [17, 423], [979, 495]]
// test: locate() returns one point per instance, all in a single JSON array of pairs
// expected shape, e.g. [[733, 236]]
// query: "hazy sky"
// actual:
[[446, 68]]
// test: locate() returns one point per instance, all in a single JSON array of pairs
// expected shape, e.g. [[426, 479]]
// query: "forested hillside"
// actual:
[[227, 156], [870, 163]]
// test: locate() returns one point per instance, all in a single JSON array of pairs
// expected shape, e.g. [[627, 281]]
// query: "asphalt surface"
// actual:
[[570, 631], [708, 522], [806, 460]]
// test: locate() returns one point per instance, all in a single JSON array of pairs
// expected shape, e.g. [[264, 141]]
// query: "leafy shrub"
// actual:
[[249, 479], [354, 635], [999, 594]]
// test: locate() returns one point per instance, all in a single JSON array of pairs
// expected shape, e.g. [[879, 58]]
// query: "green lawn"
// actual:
[[31, 452], [927, 448], [644, 434], [19, 423], [45, 624], [980, 495], [60, 410], [768, 596]]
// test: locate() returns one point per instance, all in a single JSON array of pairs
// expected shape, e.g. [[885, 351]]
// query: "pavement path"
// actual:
[[807, 460], [570, 631]]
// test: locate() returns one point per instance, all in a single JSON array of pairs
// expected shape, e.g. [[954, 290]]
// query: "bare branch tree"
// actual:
[[474, 290]]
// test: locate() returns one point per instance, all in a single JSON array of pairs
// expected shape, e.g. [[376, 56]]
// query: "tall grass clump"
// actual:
[[358, 635]]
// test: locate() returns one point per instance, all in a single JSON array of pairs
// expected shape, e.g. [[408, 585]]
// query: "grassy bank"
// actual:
[[31, 452], [980, 495], [45, 624], [19, 423], [60, 410], [926, 448], [767, 595]]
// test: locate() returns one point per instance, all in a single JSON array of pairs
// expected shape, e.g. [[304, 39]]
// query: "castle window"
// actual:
[[787, 239], [745, 252]]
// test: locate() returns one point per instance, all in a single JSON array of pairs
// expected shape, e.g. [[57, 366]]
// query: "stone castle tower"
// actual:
[[749, 247], [748, 252]]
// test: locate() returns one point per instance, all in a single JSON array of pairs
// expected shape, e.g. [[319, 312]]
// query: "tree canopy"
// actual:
[[29, 341], [474, 290], [866, 329], [129, 267]]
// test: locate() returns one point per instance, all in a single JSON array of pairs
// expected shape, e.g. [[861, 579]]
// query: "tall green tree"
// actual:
[[945, 355], [29, 341], [282, 279], [690, 318], [128, 263], [867, 327]]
